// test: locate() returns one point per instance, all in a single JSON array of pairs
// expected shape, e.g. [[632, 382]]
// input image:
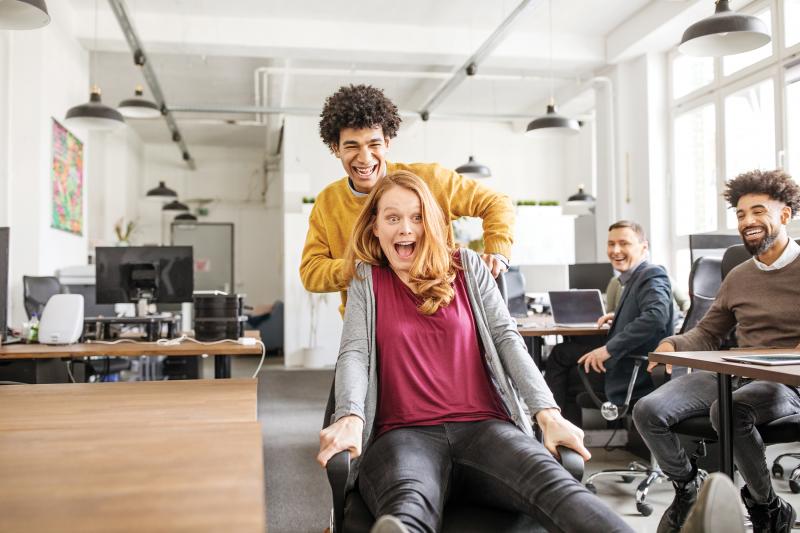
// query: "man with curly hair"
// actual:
[[759, 298], [358, 123]]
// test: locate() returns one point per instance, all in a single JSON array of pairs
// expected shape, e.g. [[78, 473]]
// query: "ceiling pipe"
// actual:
[[472, 61], [140, 58], [405, 74]]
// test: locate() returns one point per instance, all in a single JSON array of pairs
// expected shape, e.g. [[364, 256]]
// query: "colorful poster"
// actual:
[[67, 180]]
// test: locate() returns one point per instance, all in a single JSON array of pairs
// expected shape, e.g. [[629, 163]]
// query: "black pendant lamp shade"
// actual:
[[724, 33], [175, 205], [186, 217], [93, 115], [580, 197], [553, 124], [138, 107], [473, 169], [162, 192], [23, 14]]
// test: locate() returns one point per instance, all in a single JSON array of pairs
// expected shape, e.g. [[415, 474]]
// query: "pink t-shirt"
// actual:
[[431, 369]]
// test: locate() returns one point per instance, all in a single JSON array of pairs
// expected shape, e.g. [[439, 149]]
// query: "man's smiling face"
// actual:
[[363, 155], [760, 221]]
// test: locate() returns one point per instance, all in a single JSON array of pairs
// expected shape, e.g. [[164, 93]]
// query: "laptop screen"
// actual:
[[576, 306]]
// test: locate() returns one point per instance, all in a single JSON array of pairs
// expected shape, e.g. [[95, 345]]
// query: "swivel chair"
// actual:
[[350, 514], [782, 430], [37, 290]]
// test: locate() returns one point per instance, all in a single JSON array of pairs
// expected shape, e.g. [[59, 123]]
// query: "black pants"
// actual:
[[411, 472], [561, 374]]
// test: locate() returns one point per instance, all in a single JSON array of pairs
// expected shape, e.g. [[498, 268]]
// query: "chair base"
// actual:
[[652, 474]]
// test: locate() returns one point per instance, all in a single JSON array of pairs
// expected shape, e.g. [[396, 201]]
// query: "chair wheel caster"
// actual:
[[628, 479], [777, 471], [591, 488], [645, 509], [794, 486]]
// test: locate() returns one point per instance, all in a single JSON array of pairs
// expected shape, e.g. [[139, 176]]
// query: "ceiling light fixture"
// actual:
[[138, 107], [552, 123], [186, 217], [581, 197], [473, 169], [724, 33], [23, 14], [93, 115], [175, 205], [161, 193]]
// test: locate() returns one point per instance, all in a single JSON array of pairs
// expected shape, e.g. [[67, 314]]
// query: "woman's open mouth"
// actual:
[[405, 249]]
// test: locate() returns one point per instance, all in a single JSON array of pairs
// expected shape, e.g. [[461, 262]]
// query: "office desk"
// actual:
[[537, 327], [712, 361], [222, 352], [140, 403], [188, 477]]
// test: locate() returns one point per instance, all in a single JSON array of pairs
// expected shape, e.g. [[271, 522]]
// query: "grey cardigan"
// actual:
[[511, 368]]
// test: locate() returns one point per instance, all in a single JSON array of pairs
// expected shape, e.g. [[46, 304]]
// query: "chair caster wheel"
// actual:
[[777, 471], [645, 509], [591, 488], [794, 485], [628, 479]]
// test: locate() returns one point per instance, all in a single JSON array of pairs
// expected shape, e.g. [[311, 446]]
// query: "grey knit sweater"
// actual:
[[511, 369]]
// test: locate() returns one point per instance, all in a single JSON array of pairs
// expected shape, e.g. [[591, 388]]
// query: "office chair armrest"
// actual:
[[338, 470], [638, 362], [571, 461]]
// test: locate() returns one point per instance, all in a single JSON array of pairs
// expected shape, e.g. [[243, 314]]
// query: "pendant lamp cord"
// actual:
[[550, 23], [93, 62]]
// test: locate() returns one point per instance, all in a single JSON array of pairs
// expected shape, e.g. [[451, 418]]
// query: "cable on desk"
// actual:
[[263, 356], [69, 371]]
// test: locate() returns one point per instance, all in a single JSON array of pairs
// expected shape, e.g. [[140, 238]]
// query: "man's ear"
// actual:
[[786, 214], [335, 150], [386, 142]]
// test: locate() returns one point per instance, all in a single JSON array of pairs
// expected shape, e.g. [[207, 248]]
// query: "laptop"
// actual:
[[579, 308], [773, 359]]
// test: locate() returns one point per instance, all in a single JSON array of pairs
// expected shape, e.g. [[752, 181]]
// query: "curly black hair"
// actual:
[[357, 106], [776, 184]]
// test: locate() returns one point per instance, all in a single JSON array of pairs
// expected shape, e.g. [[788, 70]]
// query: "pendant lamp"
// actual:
[[473, 169], [161, 193], [175, 205], [93, 115], [580, 197], [724, 33], [552, 123], [23, 14], [186, 217], [138, 107]]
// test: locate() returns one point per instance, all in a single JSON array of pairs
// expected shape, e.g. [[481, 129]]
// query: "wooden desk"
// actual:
[[539, 326], [126, 404], [222, 351], [188, 477], [712, 361]]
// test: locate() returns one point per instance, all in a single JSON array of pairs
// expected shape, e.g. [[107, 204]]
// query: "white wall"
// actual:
[[234, 179]]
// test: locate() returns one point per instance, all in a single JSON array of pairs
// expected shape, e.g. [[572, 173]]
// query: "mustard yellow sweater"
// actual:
[[336, 209]]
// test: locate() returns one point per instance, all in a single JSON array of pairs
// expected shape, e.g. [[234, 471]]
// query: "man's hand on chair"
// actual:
[[594, 360], [558, 431], [494, 264], [344, 434], [662, 347]]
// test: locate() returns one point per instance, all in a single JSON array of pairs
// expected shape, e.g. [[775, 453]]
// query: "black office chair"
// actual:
[[782, 430], [350, 514], [37, 290]]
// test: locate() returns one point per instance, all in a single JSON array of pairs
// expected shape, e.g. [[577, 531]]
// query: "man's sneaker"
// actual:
[[777, 516], [717, 504], [388, 524], [685, 496]]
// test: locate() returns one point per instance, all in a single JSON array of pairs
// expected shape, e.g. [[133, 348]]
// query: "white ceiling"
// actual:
[[205, 53]]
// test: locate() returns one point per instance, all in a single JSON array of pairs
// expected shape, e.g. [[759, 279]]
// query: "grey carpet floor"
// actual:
[[291, 406]]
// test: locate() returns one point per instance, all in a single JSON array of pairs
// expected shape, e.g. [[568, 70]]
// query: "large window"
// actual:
[[737, 62], [695, 171], [791, 21], [691, 73], [793, 122]]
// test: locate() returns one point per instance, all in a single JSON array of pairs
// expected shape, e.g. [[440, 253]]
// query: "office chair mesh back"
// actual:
[[37, 291]]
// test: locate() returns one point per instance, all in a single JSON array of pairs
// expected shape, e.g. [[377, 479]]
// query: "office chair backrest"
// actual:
[[37, 291], [704, 282], [734, 256]]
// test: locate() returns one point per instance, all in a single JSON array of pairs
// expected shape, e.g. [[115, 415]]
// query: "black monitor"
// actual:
[[128, 274], [3, 282], [590, 276]]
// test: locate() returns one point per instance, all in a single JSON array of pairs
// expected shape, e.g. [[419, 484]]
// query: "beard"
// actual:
[[758, 248]]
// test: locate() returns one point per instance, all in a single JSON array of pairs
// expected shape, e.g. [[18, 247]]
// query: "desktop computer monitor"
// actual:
[[4, 234], [590, 276], [128, 274]]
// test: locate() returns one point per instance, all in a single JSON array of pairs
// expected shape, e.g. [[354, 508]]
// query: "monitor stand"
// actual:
[[142, 307]]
